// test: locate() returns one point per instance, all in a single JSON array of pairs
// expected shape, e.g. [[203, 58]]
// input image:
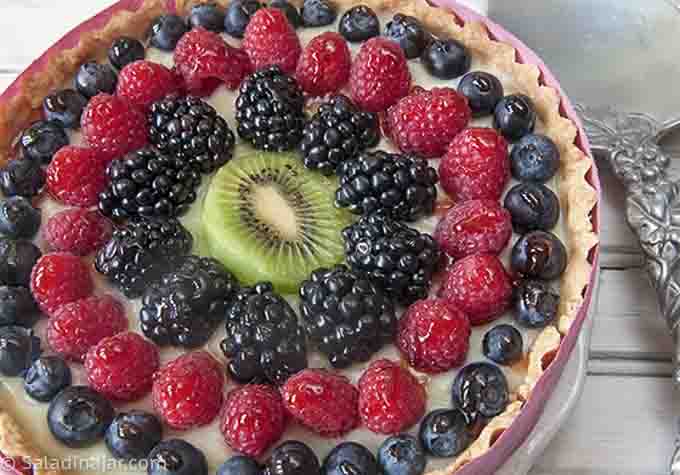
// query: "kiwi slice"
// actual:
[[268, 218]]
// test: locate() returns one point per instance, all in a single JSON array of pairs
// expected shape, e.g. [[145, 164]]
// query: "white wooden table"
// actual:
[[625, 421]]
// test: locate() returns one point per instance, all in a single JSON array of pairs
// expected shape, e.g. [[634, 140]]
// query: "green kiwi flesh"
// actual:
[[268, 218]]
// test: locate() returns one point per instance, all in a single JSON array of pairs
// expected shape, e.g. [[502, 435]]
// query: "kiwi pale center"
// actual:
[[273, 208]]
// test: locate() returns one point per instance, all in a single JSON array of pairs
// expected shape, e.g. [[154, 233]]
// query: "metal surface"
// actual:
[[617, 57], [630, 143]]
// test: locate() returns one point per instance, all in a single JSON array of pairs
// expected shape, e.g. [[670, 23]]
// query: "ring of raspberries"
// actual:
[[151, 135]]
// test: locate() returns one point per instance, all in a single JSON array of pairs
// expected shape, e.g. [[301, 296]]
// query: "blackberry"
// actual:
[[269, 110], [399, 258], [184, 308], [347, 316], [402, 186], [139, 252], [337, 132], [149, 184], [192, 130], [264, 341]]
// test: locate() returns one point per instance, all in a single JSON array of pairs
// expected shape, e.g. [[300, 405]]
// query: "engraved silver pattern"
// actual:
[[630, 143]]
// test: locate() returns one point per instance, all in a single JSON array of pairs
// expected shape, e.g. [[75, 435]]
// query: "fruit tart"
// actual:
[[285, 238]]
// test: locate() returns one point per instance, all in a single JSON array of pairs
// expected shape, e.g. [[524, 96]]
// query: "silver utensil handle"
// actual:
[[629, 142]]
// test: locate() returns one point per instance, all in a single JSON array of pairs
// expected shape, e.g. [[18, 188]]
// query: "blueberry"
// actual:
[[17, 306], [242, 465], [65, 106], [409, 33], [350, 458], [446, 59], [359, 23], [534, 158], [177, 457], [23, 177], [401, 455], [238, 15], [126, 50], [480, 389], [483, 91], [79, 416], [207, 15], [94, 78], [166, 31], [503, 344], [46, 377], [532, 207], [132, 435], [318, 13], [292, 458], [445, 432], [515, 116], [18, 218], [536, 303], [18, 349], [17, 259], [539, 254], [42, 140], [291, 12]]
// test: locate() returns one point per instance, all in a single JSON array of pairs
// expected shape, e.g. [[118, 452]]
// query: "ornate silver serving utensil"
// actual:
[[630, 143]]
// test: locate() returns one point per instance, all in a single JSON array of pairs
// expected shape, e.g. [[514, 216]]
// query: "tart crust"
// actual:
[[577, 196]]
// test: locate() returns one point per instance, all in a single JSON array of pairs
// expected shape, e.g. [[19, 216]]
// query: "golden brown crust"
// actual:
[[15, 443], [577, 196], [542, 353]]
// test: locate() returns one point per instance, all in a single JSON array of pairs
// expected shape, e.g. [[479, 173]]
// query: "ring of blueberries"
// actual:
[[388, 263]]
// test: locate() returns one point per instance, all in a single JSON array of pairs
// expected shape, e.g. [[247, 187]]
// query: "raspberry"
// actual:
[[145, 82], [58, 279], [113, 125], [324, 65], [77, 175], [425, 122], [479, 286], [476, 165], [78, 326], [270, 40], [391, 399], [205, 61], [253, 419], [78, 231], [379, 76], [187, 391], [433, 336], [15, 465], [475, 226], [121, 367], [324, 402]]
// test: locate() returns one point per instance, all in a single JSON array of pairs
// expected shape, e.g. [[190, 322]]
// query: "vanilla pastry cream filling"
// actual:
[[33, 416]]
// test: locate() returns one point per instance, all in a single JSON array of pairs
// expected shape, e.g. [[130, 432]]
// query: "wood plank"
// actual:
[[630, 368], [622, 426], [627, 322]]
